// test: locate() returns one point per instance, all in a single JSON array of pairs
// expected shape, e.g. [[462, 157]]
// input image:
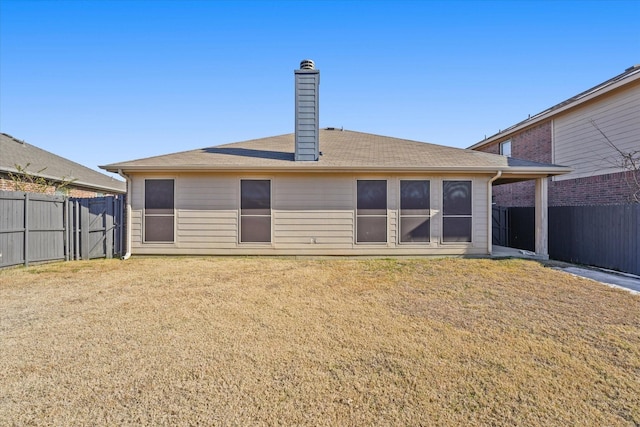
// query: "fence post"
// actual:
[[26, 229], [65, 213], [76, 229]]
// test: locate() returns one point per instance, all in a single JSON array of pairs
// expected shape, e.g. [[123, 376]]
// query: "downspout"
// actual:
[[128, 180], [490, 216]]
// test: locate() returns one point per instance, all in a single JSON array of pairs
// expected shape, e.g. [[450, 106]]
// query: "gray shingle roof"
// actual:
[[15, 152], [341, 150]]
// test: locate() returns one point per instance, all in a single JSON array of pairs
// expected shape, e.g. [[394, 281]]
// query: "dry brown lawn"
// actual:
[[229, 341]]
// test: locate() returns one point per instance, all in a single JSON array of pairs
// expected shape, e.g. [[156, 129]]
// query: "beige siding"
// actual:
[[207, 212], [311, 215], [316, 228], [577, 143], [480, 213]]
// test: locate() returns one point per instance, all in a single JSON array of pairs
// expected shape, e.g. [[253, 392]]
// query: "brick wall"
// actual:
[[535, 144], [531, 144], [7, 184], [610, 189], [518, 194]]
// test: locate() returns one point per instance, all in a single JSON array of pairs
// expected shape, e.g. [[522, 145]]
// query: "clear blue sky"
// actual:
[[107, 81]]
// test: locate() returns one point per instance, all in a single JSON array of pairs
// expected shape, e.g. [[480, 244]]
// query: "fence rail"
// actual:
[[39, 227]]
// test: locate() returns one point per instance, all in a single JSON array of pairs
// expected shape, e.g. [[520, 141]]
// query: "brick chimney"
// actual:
[[307, 135]]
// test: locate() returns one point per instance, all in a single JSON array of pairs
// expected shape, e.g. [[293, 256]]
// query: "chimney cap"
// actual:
[[307, 64]]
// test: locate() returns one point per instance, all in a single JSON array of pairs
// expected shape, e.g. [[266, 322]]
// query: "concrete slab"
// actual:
[[506, 252], [628, 282]]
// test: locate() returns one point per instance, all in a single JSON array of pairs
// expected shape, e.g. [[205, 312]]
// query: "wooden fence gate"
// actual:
[[39, 227], [500, 226]]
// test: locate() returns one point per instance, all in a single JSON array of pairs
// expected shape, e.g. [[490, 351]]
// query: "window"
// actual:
[[456, 211], [371, 211], [255, 211], [505, 148], [414, 212], [158, 210]]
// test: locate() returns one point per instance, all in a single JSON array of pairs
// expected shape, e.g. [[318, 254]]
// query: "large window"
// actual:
[[371, 211], [414, 212], [159, 210], [456, 211], [255, 211]]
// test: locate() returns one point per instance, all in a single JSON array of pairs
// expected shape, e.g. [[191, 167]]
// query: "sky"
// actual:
[[101, 82]]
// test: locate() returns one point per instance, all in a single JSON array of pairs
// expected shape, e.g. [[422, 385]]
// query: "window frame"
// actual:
[[242, 215], [445, 215], [401, 215], [365, 216], [146, 215], [502, 150]]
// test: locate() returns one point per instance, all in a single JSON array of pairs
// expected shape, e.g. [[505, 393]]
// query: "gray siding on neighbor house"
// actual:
[[578, 144], [311, 214]]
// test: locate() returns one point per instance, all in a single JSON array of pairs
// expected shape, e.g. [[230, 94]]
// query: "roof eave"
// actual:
[[542, 170], [551, 112], [73, 182]]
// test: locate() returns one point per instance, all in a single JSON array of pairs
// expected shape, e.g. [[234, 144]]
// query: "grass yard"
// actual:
[[233, 341]]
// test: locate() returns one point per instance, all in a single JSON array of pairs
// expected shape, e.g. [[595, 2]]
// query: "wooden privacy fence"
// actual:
[[601, 236], [39, 227]]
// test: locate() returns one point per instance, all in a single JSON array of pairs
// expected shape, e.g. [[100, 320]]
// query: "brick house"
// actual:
[[571, 134], [51, 169]]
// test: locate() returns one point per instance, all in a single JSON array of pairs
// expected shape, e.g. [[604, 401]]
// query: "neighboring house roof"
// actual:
[[630, 75], [15, 152], [341, 150]]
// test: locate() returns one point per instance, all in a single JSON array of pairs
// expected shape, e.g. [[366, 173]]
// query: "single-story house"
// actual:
[[47, 172], [321, 192]]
